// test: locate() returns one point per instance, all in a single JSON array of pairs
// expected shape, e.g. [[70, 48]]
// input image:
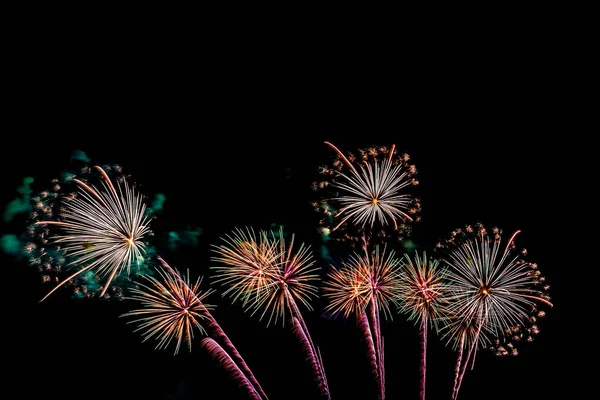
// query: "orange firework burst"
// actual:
[[423, 290], [265, 272], [248, 264], [172, 308], [361, 280]]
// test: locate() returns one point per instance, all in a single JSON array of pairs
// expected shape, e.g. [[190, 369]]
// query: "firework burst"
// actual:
[[104, 229], [423, 297], [265, 273], [364, 286], [172, 308], [493, 293], [361, 280], [247, 265], [368, 193]]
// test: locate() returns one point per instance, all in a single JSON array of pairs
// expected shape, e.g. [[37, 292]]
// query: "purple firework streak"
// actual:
[[224, 359]]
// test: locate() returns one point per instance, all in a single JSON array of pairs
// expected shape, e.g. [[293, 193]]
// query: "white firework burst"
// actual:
[[491, 292], [373, 192], [489, 289], [103, 229]]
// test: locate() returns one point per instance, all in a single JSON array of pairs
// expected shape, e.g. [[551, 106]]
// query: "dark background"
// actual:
[[238, 143]]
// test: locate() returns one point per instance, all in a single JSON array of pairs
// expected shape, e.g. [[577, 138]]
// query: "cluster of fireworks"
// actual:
[[474, 290]]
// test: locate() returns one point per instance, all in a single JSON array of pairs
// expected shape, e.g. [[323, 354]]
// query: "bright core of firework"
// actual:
[[172, 308], [265, 272], [373, 191], [103, 229], [362, 279]]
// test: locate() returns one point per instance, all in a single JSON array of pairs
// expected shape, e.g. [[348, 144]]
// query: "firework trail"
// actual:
[[265, 273], [225, 360], [423, 292], [301, 333], [173, 308], [365, 329], [218, 333], [368, 194], [493, 294], [104, 229], [364, 286]]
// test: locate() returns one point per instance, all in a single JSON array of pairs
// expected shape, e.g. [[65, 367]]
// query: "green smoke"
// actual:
[[158, 203], [11, 244], [324, 252], [188, 237], [67, 176], [20, 204], [325, 238], [173, 240], [80, 156], [409, 245]]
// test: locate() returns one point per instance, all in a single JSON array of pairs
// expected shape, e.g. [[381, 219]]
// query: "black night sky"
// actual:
[[233, 149]]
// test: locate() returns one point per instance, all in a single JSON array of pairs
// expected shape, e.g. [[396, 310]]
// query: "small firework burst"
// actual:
[[293, 282], [247, 265], [368, 195], [103, 230], [172, 308], [526, 330], [371, 277], [423, 290]]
